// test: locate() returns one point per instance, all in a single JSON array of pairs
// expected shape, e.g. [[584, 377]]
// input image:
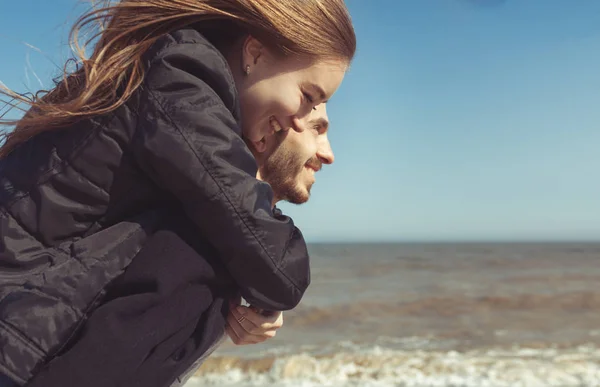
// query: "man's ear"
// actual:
[[273, 141]]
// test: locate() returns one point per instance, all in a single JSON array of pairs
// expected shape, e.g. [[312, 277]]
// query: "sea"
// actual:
[[432, 314]]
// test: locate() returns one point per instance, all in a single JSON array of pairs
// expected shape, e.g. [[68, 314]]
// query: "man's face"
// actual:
[[291, 159]]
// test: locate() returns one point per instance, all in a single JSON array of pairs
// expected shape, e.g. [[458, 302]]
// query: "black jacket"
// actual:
[[158, 319], [79, 203]]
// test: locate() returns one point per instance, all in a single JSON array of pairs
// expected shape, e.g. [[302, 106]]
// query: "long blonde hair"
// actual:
[[321, 29]]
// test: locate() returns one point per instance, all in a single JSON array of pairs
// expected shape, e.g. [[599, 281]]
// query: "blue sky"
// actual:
[[459, 119]]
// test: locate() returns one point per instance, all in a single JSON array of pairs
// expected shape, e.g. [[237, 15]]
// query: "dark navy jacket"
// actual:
[[162, 317]]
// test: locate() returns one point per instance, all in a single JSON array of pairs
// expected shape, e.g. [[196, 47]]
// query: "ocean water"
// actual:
[[520, 314]]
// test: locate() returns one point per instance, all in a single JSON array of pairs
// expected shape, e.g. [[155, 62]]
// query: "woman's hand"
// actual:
[[245, 325]]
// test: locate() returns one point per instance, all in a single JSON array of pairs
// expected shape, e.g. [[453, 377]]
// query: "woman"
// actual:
[[157, 118]]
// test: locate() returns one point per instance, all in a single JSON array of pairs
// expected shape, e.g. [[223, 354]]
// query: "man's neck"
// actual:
[[275, 198]]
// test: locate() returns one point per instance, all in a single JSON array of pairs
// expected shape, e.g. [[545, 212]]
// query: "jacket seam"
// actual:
[[69, 162], [86, 312], [15, 333], [6, 368], [44, 177], [5, 211], [64, 163]]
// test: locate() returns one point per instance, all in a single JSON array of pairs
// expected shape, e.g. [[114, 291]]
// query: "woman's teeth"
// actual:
[[275, 124]]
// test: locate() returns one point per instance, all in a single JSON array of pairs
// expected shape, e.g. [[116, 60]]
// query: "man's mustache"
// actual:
[[314, 163]]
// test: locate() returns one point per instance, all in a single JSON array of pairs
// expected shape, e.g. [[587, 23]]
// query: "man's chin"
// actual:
[[299, 199], [296, 195]]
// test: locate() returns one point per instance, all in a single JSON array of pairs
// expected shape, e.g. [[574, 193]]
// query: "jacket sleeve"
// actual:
[[189, 143]]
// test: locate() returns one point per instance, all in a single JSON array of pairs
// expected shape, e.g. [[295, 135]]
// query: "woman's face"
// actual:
[[277, 93]]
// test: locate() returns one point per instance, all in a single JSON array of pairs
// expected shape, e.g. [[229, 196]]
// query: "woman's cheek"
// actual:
[[290, 107], [288, 100]]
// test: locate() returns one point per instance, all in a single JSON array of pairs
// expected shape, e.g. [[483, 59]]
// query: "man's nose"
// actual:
[[324, 151]]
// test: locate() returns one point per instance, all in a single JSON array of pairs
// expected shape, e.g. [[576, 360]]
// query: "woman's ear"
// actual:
[[252, 50]]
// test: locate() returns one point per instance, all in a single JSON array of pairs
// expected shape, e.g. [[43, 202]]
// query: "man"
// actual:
[[167, 312], [288, 164]]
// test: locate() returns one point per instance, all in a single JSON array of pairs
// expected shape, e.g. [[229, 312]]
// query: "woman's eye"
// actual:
[[308, 97]]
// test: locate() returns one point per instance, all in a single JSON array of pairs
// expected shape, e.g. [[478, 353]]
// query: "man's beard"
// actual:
[[281, 170]]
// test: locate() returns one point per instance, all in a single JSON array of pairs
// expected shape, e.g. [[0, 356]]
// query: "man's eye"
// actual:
[[308, 97]]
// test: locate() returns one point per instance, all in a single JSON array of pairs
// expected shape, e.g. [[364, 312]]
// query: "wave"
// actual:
[[447, 306], [350, 365]]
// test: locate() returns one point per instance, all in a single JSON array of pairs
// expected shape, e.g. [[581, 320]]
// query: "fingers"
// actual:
[[235, 338], [254, 322], [247, 326], [239, 335]]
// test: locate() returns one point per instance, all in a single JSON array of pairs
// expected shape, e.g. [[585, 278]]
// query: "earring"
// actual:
[[247, 70]]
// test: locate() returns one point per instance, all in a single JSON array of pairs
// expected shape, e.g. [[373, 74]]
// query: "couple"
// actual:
[[149, 150], [110, 349]]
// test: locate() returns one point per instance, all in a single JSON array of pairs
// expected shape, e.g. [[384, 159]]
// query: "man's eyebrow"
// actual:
[[320, 122]]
